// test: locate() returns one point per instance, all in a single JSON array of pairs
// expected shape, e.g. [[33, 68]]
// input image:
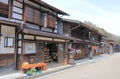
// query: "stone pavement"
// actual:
[[20, 75], [107, 67]]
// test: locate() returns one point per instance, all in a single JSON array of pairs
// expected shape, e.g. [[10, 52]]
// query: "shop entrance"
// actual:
[[51, 52]]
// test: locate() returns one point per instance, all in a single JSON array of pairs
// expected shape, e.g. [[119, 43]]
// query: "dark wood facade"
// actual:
[[87, 35], [34, 24], [36, 29]]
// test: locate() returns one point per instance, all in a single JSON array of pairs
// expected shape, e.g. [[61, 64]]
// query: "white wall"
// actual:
[[6, 31]]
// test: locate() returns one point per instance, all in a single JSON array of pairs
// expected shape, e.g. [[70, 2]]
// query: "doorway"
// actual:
[[51, 53]]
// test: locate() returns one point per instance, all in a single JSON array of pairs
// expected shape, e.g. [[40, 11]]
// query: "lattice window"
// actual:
[[9, 42], [36, 17], [33, 15], [29, 14], [51, 21]]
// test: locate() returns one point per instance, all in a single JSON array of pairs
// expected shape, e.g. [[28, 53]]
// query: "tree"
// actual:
[[104, 32]]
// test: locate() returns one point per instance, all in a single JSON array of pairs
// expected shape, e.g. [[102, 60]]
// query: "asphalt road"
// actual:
[[105, 68]]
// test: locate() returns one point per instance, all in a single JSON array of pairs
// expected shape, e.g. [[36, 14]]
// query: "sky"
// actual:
[[103, 13]]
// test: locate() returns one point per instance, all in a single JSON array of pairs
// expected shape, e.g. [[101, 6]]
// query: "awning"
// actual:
[[46, 34]]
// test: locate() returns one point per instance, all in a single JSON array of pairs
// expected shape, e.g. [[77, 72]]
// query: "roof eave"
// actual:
[[51, 7]]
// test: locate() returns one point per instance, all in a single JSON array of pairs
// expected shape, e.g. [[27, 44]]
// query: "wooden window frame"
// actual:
[[32, 20], [41, 22], [34, 10], [6, 44], [18, 2], [20, 14], [50, 19]]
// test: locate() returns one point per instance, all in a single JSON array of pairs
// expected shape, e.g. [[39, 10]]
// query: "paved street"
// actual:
[[105, 68]]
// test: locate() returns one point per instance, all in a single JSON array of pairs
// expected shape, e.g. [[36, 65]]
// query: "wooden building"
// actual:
[[31, 31], [86, 36], [106, 44]]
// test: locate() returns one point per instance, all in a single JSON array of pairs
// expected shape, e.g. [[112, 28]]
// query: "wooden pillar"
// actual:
[[66, 50], [60, 53], [10, 9], [16, 49], [0, 35], [24, 12], [22, 48], [0, 31], [37, 53]]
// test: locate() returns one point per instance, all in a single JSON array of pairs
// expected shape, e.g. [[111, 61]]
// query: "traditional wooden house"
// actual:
[[31, 31], [106, 44], [86, 36]]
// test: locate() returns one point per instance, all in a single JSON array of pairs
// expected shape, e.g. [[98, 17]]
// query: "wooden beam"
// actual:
[[22, 48], [24, 12], [9, 23], [10, 9], [66, 49], [75, 27]]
